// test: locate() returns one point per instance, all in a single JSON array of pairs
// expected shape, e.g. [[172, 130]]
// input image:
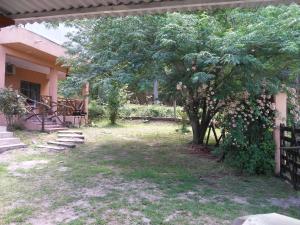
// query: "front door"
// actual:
[[31, 90]]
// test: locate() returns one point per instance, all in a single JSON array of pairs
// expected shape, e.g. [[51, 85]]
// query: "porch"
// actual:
[[28, 64]]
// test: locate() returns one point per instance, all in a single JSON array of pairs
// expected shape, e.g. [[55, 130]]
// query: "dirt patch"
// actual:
[[240, 200], [285, 202], [64, 214], [201, 151], [97, 191], [63, 169], [136, 191], [125, 217], [192, 196], [25, 165], [177, 214], [60, 215]]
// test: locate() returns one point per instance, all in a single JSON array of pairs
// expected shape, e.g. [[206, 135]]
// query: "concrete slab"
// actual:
[[266, 219]]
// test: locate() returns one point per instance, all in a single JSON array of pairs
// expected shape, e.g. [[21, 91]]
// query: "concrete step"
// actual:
[[4, 148], [52, 125], [46, 123], [5, 134], [70, 136], [54, 129], [71, 132], [3, 129], [51, 147], [9, 141], [62, 144], [72, 140]]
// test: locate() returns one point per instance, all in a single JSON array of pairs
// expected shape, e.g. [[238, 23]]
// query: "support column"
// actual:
[[281, 108], [2, 67], [53, 78]]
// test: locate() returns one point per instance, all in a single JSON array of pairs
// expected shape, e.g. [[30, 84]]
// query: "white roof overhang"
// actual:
[[29, 11]]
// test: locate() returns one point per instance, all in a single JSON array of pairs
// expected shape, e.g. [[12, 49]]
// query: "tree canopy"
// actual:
[[209, 56]]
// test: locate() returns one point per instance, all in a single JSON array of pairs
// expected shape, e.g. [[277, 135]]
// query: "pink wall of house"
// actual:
[[37, 53]]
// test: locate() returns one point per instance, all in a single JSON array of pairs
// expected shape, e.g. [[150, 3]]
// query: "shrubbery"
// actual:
[[131, 110], [249, 144], [96, 110], [99, 111], [11, 105]]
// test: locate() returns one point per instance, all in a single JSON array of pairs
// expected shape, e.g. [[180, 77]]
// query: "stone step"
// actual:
[[5, 148], [9, 141], [52, 125], [46, 123], [71, 132], [6, 134], [3, 129], [51, 147], [72, 140], [63, 144], [70, 136], [54, 129]]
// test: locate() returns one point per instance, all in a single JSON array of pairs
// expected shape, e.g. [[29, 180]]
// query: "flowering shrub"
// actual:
[[249, 145], [11, 105], [293, 107]]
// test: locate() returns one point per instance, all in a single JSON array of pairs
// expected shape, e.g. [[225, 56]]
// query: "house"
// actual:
[[28, 64]]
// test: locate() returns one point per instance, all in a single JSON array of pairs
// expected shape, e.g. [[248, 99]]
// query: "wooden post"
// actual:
[[175, 113], [281, 117], [85, 94], [53, 78], [155, 92]]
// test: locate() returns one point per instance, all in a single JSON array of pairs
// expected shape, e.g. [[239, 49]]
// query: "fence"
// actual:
[[290, 155]]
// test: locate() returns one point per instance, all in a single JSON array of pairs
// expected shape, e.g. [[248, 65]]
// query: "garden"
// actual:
[[216, 68], [181, 119], [133, 173]]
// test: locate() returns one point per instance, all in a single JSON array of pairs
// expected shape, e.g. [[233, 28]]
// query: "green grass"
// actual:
[[132, 173], [18, 215]]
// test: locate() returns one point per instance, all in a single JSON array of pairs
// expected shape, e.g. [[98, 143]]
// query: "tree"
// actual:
[[209, 56], [121, 48]]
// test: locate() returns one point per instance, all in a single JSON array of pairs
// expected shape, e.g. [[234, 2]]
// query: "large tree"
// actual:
[[209, 56]]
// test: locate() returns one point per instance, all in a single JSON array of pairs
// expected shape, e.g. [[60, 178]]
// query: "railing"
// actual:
[[70, 107], [48, 109], [39, 111], [290, 155]]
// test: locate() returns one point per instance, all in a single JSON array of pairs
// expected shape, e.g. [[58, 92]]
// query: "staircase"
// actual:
[[8, 141], [65, 139], [50, 125]]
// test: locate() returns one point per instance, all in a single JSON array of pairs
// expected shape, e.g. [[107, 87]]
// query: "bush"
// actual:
[[116, 97], [249, 145], [251, 158], [156, 111], [11, 105], [96, 110]]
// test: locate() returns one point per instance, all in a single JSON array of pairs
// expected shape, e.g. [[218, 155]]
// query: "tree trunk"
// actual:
[[199, 127], [196, 130], [203, 128], [194, 120]]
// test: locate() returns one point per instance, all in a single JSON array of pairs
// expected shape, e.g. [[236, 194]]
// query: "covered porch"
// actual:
[[28, 64]]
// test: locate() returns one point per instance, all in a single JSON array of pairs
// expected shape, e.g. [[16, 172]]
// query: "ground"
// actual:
[[135, 173]]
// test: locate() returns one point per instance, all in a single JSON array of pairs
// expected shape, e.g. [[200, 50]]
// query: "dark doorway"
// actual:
[[31, 90]]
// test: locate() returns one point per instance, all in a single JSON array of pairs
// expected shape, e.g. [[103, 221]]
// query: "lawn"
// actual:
[[135, 173]]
